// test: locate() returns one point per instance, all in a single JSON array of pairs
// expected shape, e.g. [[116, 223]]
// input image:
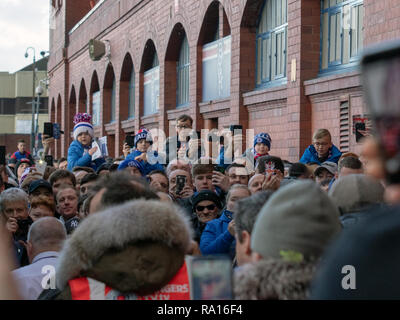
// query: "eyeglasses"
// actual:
[[320, 144], [209, 207], [182, 127]]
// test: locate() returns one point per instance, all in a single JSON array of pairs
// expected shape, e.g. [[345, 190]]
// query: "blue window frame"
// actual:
[[151, 88], [96, 108], [271, 43], [216, 66], [131, 108], [182, 70], [341, 33]]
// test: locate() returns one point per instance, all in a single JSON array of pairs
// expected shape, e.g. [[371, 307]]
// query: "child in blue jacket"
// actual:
[[322, 149], [80, 151], [149, 159]]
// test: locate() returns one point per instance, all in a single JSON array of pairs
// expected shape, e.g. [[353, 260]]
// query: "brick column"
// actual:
[[303, 48]]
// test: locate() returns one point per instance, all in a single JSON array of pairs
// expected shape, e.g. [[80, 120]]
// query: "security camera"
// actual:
[[39, 90]]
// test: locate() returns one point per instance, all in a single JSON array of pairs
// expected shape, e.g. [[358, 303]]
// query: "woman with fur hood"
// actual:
[[290, 234], [131, 251]]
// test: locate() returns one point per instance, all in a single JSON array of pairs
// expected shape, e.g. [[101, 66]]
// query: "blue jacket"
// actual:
[[311, 155], [78, 158], [216, 238], [148, 166]]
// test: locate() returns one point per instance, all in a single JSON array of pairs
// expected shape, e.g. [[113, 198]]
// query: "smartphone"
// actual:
[[57, 131], [210, 277], [359, 126], [380, 66], [52, 130], [3, 155], [49, 160], [48, 129], [180, 183], [130, 140], [219, 168], [269, 167]]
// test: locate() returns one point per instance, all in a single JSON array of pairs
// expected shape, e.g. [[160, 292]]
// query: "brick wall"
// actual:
[[289, 112]]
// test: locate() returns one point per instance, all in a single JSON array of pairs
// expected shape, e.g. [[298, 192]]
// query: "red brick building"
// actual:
[[286, 67]]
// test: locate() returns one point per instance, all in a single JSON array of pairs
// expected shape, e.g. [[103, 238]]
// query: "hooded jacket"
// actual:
[[77, 157], [311, 155], [216, 239], [135, 248], [273, 279], [153, 162]]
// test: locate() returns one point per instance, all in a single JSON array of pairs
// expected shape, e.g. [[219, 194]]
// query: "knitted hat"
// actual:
[[354, 192], [264, 138], [296, 224], [19, 162], [132, 163], [205, 195], [82, 124], [143, 134]]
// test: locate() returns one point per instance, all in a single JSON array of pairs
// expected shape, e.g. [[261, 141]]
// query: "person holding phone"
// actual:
[[80, 151]]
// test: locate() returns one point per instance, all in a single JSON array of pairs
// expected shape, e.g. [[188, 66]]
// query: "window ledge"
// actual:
[[175, 113], [128, 125], [265, 94], [215, 108], [110, 128], [333, 82], [150, 119]]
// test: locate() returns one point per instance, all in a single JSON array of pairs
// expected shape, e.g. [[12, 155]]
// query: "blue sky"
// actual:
[[23, 24]]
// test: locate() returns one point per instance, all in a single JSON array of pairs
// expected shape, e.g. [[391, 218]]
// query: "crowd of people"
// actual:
[[93, 227]]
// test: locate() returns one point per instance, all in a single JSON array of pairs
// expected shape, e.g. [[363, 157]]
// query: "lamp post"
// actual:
[[39, 92], [33, 93]]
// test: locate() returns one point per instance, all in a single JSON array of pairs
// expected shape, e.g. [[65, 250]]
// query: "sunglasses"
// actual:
[[209, 207]]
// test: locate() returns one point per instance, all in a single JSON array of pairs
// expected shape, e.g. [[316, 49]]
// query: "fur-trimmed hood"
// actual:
[[273, 279], [134, 247]]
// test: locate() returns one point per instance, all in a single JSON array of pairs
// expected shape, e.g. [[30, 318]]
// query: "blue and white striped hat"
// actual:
[[82, 124]]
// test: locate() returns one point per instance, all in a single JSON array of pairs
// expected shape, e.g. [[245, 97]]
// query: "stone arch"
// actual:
[[173, 48], [109, 81], [125, 96], [82, 97], [70, 115], [94, 97]]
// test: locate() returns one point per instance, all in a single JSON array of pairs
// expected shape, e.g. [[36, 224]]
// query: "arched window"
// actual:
[[112, 116], [271, 42], [182, 92], [342, 33], [151, 88], [131, 109]]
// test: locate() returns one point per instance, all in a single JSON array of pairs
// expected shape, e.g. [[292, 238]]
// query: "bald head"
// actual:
[[47, 234]]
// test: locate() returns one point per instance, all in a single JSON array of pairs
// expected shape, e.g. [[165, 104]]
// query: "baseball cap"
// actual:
[[39, 183], [328, 165]]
